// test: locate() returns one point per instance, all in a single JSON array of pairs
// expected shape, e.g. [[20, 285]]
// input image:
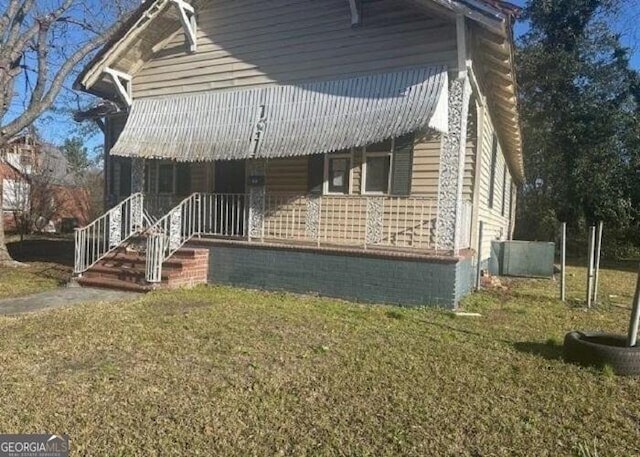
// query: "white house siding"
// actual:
[[426, 166], [496, 226], [243, 43], [15, 195]]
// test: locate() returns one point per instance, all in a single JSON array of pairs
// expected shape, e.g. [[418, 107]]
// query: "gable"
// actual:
[[252, 42]]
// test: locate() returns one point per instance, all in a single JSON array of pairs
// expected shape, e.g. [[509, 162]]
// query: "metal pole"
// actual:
[[563, 262], [635, 316], [479, 256], [592, 237], [597, 272]]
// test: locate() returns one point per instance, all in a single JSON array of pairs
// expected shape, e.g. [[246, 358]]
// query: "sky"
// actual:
[[55, 128], [626, 25]]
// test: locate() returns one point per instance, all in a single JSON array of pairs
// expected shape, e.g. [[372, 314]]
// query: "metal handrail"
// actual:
[[198, 214], [168, 234], [102, 236]]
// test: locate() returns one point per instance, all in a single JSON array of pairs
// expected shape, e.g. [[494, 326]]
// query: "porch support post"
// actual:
[[452, 157], [312, 222], [137, 175], [257, 197]]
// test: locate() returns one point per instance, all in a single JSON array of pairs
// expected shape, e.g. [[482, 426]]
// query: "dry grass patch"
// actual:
[[222, 371], [32, 278]]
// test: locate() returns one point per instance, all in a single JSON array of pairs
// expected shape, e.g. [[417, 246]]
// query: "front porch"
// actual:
[[368, 248], [384, 223]]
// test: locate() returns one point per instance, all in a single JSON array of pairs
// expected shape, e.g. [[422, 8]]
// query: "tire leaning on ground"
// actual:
[[600, 349]]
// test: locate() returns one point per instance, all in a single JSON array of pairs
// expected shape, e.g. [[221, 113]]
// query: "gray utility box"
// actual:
[[532, 259]]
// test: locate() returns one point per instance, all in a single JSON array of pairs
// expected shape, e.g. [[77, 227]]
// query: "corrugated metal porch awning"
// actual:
[[286, 120]]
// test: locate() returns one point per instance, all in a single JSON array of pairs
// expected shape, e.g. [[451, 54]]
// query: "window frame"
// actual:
[[337, 155], [363, 176]]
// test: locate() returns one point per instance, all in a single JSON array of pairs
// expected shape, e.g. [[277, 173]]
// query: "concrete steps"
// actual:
[[124, 269]]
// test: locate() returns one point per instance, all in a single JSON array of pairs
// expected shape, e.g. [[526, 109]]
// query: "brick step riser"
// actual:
[[105, 283], [127, 272], [136, 265]]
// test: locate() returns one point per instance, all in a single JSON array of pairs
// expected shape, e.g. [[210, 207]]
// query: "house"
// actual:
[[38, 189], [350, 148]]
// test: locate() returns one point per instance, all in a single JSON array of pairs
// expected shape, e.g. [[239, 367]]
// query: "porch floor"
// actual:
[[334, 248]]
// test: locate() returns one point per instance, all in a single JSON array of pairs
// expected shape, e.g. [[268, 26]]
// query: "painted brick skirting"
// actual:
[[407, 280]]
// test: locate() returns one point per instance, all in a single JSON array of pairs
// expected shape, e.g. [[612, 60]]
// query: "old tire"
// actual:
[[601, 349]]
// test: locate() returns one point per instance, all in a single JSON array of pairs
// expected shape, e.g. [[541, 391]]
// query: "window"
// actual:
[[337, 173], [376, 167], [376, 174], [492, 179], [25, 159], [165, 178]]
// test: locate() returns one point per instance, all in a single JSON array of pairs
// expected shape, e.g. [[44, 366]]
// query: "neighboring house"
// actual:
[[342, 147], [36, 179]]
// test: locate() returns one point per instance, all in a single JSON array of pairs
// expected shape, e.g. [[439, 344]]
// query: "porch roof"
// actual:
[[286, 120]]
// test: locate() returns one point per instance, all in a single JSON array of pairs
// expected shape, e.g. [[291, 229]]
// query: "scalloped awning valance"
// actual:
[[286, 120]]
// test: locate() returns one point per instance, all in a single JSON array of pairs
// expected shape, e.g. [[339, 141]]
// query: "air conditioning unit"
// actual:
[[531, 259]]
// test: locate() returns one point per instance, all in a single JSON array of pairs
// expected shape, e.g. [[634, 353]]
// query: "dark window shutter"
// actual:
[[315, 176], [183, 178], [492, 179], [504, 188], [402, 165], [125, 176]]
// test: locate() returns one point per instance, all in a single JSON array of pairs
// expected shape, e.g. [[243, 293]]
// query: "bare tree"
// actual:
[[42, 42]]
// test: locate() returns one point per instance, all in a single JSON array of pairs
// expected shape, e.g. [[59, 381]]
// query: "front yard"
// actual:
[[46, 264], [223, 371]]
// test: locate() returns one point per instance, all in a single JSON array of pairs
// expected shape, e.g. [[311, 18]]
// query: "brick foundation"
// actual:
[[363, 276]]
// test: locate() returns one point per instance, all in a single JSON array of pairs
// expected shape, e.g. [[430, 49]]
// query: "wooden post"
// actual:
[[592, 238], [597, 272], [479, 256], [563, 262], [632, 337]]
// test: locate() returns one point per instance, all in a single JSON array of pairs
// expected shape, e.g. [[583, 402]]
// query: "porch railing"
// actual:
[[358, 221], [94, 241], [352, 220]]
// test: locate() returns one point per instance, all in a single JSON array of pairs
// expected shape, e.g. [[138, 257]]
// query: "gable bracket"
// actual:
[[122, 82], [188, 20], [356, 17]]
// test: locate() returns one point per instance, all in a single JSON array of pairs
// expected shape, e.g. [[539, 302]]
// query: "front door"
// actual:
[[229, 187], [230, 177]]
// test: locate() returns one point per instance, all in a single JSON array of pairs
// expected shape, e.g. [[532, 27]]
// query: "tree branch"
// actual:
[[8, 16], [37, 106]]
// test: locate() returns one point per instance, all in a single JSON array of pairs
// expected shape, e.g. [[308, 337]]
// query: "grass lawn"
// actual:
[[222, 371], [46, 264]]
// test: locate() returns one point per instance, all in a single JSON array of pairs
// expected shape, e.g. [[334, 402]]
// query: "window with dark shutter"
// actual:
[[492, 178], [315, 175], [504, 189], [402, 165]]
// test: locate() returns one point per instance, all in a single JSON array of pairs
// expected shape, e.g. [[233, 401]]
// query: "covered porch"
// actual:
[[365, 222]]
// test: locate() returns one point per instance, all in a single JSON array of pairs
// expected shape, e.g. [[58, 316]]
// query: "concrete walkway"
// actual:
[[63, 296]]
